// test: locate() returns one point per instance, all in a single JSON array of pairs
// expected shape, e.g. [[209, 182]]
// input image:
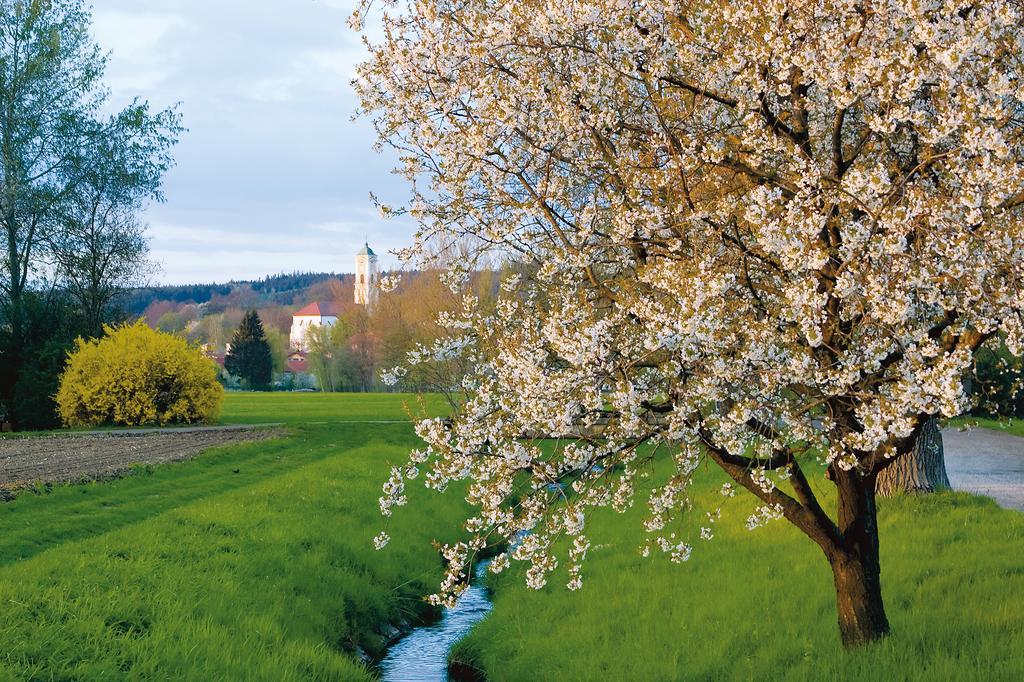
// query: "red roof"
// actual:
[[298, 366], [318, 309]]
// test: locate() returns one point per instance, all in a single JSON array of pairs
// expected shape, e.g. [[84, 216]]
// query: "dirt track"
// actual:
[[73, 457]]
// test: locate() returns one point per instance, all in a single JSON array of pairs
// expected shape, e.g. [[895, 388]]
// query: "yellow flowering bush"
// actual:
[[136, 375]]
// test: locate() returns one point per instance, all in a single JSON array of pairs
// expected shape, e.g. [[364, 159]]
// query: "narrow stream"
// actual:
[[422, 655]]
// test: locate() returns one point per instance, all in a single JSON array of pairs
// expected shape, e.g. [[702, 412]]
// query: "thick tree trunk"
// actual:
[[922, 470], [859, 603], [855, 562]]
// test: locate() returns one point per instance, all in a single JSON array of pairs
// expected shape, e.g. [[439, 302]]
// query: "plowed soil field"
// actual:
[[74, 457]]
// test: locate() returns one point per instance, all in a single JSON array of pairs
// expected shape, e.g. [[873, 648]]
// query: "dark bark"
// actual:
[[850, 544], [859, 603], [922, 470], [855, 562]]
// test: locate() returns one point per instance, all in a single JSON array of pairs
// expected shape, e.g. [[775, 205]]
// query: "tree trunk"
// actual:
[[859, 603], [922, 470], [855, 562]]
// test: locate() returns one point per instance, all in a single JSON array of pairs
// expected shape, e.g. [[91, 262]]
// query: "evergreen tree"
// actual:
[[249, 357]]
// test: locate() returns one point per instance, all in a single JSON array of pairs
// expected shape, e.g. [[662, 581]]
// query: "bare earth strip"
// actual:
[[74, 457], [986, 462]]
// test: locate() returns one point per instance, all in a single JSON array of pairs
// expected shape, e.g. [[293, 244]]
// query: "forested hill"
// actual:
[[280, 289]]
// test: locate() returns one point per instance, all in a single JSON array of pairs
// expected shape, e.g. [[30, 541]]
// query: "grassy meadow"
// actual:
[[252, 561], [320, 409], [761, 605]]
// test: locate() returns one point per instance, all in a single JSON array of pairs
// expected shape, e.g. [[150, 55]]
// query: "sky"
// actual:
[[272, 174]]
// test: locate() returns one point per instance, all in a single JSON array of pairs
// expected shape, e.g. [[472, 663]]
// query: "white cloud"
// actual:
[[143, 58], [272, 175]]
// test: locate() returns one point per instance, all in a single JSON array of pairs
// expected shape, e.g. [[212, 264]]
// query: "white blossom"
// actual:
[[736, 234]]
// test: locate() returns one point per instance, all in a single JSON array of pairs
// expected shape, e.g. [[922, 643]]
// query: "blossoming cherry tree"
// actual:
[[766, 234]]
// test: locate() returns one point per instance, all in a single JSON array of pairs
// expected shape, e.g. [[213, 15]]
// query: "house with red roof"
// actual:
[[297, 362], [316, 314], [325, 314]]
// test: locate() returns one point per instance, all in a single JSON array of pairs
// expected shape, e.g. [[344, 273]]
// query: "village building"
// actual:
[[316, 314], [325, 314], [366, 276], [297, 362]]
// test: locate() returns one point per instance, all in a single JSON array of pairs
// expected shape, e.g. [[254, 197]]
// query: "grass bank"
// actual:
[[249, 562], [1011, 425], [761, 605]]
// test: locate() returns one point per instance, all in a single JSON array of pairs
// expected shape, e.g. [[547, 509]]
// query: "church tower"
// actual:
[[366, 276]]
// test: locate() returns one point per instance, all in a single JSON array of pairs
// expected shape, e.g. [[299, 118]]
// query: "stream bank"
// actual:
[[422, 655]]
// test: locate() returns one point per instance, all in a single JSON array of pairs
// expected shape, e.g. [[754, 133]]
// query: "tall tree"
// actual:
[[100, 258], [51, 322], [49, 89], [100, 248], [757, 233], [249, 357], [54, 143]]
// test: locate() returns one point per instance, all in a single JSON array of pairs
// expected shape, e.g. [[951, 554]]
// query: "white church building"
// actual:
[[366, 276], [318, 314]]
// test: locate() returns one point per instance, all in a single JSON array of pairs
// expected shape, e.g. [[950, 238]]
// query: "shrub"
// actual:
[[33, 357], [135, 375], [998, 382]]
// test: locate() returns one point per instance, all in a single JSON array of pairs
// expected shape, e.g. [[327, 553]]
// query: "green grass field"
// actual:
[[254, 561], [250, 562], [327, 408], [761, 605]]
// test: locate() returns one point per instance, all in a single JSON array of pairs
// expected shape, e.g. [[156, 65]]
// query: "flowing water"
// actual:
[[422, 655]]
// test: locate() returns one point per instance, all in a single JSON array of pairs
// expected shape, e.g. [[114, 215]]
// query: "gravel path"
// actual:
[[84, 455], [986, 462]]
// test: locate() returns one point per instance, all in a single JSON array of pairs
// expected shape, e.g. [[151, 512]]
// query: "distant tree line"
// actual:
[[73, 180], [137, 300], [273, 288]]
